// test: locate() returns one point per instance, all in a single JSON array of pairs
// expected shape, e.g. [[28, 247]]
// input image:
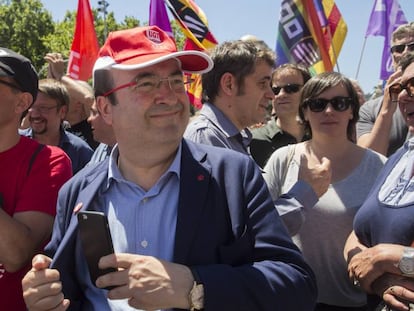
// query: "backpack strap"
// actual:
[[33, 158]]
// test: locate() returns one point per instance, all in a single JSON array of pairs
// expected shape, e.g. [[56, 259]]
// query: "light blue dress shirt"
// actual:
[[141, 222]]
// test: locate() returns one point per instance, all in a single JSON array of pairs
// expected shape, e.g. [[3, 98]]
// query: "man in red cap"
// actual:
[[193, 226], [31, 175]]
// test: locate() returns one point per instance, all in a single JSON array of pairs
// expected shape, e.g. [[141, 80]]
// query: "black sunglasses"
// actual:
[[338, 103], [399, 48], [288, 88], [13, 86], [398, 87]]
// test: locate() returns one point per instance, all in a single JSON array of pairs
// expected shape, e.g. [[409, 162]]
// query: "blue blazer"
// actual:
[[227, 228]]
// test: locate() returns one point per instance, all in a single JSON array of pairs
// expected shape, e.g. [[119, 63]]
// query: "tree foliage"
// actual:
[[24, 27], [28, 28]]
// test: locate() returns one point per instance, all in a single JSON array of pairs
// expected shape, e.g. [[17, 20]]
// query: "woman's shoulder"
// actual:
[[285, 151], [374, 155]]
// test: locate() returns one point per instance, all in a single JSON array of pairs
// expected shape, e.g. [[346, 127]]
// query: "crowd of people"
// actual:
[[286, 191]]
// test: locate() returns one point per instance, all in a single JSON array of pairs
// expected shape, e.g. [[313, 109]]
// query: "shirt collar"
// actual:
[[216, 116], [409, 144], [114, 174]]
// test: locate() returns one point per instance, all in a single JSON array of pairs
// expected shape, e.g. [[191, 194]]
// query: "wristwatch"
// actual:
[[406, 264], [196, 296]]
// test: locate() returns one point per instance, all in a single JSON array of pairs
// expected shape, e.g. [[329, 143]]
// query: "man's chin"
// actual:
[[39, 131]]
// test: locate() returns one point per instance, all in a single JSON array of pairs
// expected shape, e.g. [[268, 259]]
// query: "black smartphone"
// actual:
[[96, 241]]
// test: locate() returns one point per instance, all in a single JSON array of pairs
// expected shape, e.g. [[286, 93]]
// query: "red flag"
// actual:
[[85, 47]]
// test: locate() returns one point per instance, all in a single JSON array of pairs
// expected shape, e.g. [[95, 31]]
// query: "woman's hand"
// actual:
[[371, 263]]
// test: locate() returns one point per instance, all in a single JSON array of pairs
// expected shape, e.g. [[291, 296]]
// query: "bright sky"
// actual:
[[231, 19]]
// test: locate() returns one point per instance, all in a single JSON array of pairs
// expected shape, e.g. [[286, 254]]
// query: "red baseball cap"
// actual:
[[145, 46]]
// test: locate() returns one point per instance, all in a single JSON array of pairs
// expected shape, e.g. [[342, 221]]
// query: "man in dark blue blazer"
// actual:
[[193, 226]]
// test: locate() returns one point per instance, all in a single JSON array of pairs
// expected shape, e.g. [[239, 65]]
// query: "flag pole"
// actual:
[[360, 58], [335, 55]]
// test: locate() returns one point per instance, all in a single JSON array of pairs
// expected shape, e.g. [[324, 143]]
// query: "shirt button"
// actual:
[[144, 243], [144, 200]]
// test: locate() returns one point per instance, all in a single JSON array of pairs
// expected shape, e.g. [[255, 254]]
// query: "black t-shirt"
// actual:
[[83, 130]]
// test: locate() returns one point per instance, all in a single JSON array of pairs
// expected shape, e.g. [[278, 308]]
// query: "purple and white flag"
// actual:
[[386, 16]]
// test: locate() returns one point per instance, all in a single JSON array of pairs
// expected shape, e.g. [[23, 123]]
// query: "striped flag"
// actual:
[[311, 33], [194, 25], [386, 16], [85, 46]]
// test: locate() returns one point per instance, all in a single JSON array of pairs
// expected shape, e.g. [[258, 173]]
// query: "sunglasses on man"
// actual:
[[338, 103], [399, 48], [288, 88], [397, 88], [12, 85]]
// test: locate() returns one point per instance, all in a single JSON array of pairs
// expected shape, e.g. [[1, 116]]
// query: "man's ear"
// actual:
[[24, 102], [228, 83], [63, 111], [104, 106]]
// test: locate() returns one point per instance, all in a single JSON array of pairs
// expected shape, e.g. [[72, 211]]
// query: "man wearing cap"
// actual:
[[31, 175], [193, 226]]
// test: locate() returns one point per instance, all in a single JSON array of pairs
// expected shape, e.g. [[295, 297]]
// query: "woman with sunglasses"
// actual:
[[380, 249], [284, 127], [329, 109]]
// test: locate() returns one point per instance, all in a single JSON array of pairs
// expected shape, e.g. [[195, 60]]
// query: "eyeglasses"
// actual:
[[148, 84], [288, 88], [397, 88], [338, 103], [42, 109], [12, 85], [399, 48]]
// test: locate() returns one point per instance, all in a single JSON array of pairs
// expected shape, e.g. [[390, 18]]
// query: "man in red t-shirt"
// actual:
[[31, 176]]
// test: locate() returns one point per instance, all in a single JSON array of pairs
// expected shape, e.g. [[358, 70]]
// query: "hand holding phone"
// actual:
[[96, 241]]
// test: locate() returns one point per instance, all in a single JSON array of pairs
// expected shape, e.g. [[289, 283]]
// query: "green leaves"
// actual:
[[29, 29]]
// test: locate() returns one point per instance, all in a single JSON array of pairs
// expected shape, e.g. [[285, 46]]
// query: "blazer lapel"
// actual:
[[83, 201], [194, 180]]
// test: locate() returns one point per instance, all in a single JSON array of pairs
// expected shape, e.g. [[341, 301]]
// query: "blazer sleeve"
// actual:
[[275, 275]]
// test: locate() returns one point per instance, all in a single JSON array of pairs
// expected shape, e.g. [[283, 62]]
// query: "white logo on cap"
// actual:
[[153, 36]]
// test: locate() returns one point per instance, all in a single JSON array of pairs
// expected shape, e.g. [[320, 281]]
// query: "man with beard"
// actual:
[[45, 118], [81, 98]]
